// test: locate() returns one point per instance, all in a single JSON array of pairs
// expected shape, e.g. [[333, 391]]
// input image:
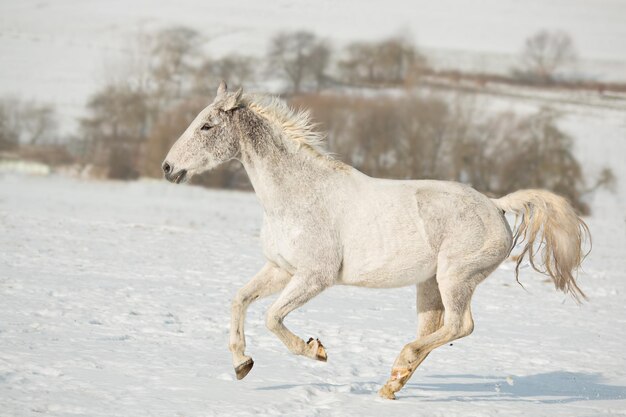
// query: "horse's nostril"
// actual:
[[167, 168]]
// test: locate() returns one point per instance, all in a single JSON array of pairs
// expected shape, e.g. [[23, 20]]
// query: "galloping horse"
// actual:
[[325, 223]]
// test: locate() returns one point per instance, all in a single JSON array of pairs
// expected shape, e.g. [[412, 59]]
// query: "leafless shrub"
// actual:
[[166, 129], [115, 129], [544, 54], [53, 155], [507, 152], [385, 136], [9, 124], [121, 163], [391, 61]]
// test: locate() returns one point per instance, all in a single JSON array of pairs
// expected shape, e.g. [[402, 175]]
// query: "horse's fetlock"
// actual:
[[236, 347]]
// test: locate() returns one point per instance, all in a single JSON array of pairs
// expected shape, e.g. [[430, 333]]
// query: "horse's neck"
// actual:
[[282, 179]]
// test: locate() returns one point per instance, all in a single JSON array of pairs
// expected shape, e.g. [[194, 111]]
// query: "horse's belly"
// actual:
[[388, 270], [387, 277], [385, 243]]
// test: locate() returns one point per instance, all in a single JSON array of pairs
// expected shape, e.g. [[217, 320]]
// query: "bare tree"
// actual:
[[390, 61], [545, 53], [319, 60], [237, 70], [359, 62], [9, 124], [39, 123], [26, 123], [176, 53], [299, 56]]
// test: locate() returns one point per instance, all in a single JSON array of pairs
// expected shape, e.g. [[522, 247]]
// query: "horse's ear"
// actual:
[[231, 101], [221, 90]]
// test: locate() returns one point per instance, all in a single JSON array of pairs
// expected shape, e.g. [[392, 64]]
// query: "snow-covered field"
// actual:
[[114, 301]]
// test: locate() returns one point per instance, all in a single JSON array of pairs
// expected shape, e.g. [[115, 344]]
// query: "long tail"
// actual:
[[552, 234]]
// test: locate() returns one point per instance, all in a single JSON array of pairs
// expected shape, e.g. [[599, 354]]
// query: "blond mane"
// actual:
[[297, 126]]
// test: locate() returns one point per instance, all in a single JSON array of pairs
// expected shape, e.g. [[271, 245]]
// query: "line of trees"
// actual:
[[133, 120]]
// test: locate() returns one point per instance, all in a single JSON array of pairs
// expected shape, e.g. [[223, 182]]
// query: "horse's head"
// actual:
[[210, 139]]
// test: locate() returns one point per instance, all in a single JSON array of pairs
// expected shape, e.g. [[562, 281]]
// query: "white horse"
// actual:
[[325, 223]]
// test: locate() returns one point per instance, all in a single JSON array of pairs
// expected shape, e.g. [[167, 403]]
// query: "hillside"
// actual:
[[62, 51]]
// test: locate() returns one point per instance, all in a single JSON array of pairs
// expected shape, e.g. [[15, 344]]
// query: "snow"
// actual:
[[114, 300]]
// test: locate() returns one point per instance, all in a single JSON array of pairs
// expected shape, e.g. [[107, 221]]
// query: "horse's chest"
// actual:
[[280, 240]]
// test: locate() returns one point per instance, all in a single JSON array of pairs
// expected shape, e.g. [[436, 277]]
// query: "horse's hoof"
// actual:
[[387, 393], [318, 350], [242, 370]]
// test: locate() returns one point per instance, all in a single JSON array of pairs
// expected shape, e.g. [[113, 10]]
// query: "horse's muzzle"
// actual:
[[171, 175]]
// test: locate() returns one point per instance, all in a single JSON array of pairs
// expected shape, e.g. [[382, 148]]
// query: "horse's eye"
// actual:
[[206, 126]]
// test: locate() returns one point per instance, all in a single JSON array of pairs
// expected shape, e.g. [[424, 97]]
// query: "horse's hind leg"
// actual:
[[269, 280], [429, 311], [456, 291]]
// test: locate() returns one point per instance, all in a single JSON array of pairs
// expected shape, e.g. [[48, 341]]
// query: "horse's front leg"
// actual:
[[269, 280], [302, 287]]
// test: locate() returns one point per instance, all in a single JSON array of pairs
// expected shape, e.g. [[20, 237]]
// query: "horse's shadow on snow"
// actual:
[[547, 388], [550, 387]]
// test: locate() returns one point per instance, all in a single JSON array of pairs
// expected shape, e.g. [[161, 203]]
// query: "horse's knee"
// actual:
[[241, 300], [273, 321], [236, 304]]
